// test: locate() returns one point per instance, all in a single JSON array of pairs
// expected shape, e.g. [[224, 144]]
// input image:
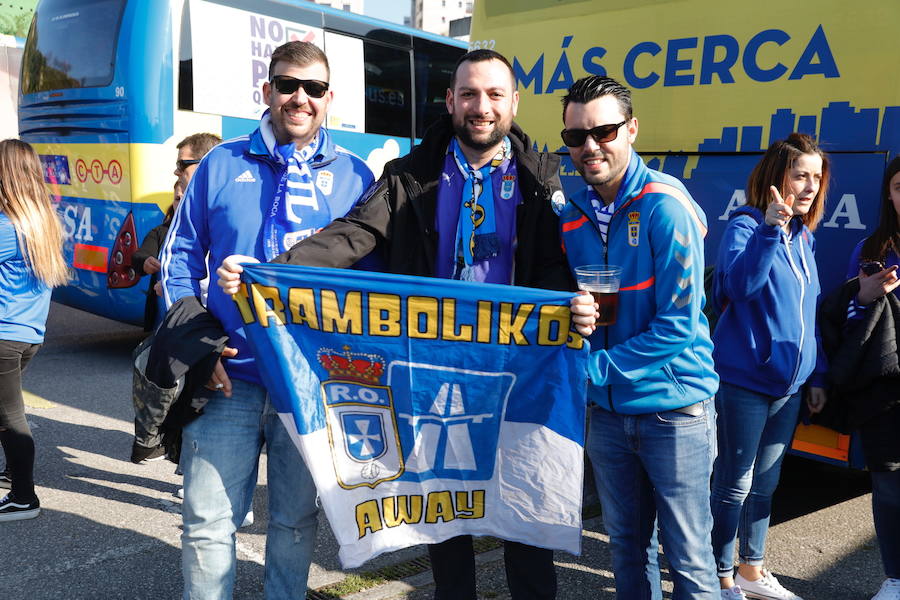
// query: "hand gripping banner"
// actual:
[[425, 408]]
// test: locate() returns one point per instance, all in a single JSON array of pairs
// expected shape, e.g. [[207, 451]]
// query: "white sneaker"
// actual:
[[764, 588], [890, 590], [734, 593], [248, 519]]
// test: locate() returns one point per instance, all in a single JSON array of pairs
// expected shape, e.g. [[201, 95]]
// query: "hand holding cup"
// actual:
[[602, 281]]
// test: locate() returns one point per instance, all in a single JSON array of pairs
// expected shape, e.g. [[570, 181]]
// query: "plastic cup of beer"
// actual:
[[602, 281]]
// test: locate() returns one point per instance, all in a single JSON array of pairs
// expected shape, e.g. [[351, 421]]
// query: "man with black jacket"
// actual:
[[471, 202]]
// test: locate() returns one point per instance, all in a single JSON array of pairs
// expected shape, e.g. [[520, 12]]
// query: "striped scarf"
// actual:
[[295, 213]]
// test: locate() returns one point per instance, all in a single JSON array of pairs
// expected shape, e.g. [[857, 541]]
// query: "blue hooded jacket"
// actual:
[[767, 286], [222, 213], [657, 356]]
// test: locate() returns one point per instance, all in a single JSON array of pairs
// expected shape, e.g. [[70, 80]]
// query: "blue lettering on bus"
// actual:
[[534, 76], [590, 66], [817, 47], [651, 48], [751, 66], [675, 65], [718, 57], [562, 74], [709, 66]]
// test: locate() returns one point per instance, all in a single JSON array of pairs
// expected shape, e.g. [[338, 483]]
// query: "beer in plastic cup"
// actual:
[[602, 281]]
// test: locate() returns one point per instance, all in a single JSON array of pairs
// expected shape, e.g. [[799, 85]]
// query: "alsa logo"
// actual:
[[428, 422], [844, 214], [76, 222]]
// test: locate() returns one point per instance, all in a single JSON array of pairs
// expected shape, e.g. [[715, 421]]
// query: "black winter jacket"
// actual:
[[396, 217], [863, 358]]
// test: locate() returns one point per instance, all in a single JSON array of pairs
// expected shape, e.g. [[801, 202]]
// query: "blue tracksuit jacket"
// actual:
[[222, 213], [657, 356], [767, 285]]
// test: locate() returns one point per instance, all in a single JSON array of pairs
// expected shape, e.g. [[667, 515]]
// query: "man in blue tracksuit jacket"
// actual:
[[256, 196], [652, 430]]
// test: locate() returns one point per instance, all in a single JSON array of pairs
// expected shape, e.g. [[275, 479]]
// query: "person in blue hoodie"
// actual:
[[31, 263], [256, 195], [766, 286], [652, 432]]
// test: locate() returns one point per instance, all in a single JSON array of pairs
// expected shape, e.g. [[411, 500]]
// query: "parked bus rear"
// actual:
[[713, 84], [109, 87]]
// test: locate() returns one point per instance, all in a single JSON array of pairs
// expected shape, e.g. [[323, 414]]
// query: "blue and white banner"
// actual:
[[425, 408]]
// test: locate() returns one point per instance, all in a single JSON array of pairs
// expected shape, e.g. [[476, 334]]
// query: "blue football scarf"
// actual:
[[296, 213], [476, 235]]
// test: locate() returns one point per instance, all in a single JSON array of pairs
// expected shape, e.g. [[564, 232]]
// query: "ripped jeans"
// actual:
[[220, 457]]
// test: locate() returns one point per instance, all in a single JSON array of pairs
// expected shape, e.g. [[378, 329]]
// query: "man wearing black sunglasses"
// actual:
[[256, 195], [652, 430], [425, 215]]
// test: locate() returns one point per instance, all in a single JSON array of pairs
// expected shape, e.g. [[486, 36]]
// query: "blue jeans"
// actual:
[[656, 467], [755, 431], [220, 459], [886, 512]]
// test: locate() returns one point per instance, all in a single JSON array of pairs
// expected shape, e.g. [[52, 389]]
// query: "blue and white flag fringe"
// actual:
[[425, 408]]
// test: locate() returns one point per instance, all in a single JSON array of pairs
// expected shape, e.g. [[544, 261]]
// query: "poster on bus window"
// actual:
[[231, 49]]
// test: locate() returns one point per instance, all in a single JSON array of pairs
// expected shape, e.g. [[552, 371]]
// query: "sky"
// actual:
[[389, 10]]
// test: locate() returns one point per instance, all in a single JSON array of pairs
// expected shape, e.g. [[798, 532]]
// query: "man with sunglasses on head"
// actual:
[[652, 429], [422, 215], [255, 195]]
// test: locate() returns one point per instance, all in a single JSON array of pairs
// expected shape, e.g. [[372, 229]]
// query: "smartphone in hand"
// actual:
[[871, 267]]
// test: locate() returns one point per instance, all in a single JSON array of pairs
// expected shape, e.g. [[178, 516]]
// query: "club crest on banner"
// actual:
[[362, 430]]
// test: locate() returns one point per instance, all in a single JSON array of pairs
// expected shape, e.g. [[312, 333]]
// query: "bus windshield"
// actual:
[[64, 49]]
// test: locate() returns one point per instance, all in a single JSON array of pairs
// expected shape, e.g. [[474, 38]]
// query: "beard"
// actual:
[[500, 131], [614, 170]]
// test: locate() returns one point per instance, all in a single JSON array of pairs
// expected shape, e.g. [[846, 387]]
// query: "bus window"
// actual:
[[434, 67], [388, 106], [63, 50]]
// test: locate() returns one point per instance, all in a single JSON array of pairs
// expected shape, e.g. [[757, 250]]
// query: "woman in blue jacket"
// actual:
[[31, 263], [765, 349]]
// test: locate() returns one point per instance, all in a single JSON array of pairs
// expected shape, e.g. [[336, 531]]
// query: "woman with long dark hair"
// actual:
[[765, 350], [31, 263], [875, 407]]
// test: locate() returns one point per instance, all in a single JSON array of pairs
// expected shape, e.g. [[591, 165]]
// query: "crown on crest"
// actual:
[[361, 367]]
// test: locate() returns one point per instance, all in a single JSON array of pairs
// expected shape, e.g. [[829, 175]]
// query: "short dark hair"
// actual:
[[300, 54], [481, 55], [590, 88], [200, 143]]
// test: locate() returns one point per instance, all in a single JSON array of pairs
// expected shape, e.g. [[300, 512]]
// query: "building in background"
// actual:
[[355, 6], [15, 19], [460, 28], [435, 15]]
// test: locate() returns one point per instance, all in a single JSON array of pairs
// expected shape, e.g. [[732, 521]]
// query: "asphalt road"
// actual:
[[110, 529]]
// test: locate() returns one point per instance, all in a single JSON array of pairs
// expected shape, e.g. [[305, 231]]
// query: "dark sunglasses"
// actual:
[[288, 85], [183, 164], [574, 138]]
